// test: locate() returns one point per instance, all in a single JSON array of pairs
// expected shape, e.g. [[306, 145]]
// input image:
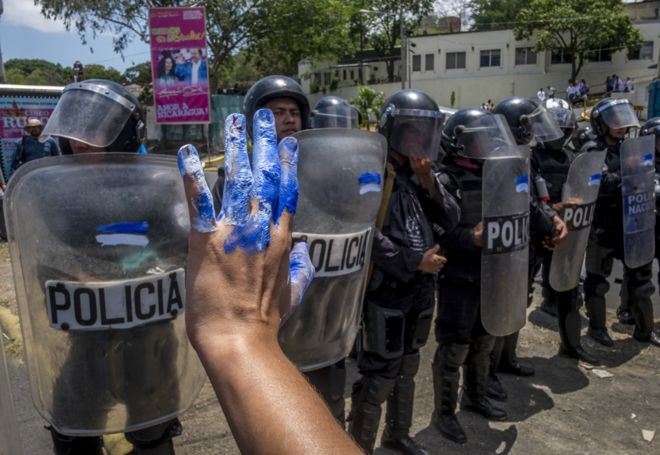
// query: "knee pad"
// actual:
[[409, 365], [155, 436], [383, 331], [376, 389], [421, 328], [596, 285]]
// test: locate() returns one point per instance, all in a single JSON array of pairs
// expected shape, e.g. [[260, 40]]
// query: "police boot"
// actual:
[[156, 440], [76, 445], [478, 365], [549, 304], [595, 289], [641, 289], [366, 400], [398, 418], [623, 312], [495, 389], [568, 318], [509, 362], [446, 364]]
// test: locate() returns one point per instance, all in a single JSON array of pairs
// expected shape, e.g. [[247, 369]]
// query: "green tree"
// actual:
[[385, 17], [35, 72], [282, 32], [368, 102], [94, 71], [578, 28], [495, 14]]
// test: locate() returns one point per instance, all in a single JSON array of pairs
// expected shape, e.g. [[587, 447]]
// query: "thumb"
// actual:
[[435, 249]]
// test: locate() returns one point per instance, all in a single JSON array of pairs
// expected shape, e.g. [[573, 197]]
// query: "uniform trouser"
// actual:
[[329, 382], [397, 323], [639, 287], [471, 349]]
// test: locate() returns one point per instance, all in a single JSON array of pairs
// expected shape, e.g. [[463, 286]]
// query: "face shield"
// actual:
[[89, 113], [619, 114], [489, 137], [416, 132], [335, 116], [541, 125]]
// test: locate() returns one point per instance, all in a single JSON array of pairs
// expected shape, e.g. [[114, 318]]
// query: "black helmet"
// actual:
[[651, 126], [99, 113], [409, 114], [612, 113], [562, 113], [584, 134], [527, 120], [333, 112], [478, 134], [271, 87]]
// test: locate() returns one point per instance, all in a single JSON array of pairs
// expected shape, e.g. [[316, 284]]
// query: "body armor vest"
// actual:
[[553, 167], [470, 186]]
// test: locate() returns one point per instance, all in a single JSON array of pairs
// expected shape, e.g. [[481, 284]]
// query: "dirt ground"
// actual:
[[565, 408]]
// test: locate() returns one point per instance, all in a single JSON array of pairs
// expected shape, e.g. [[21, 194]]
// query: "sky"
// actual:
[[25, 33]]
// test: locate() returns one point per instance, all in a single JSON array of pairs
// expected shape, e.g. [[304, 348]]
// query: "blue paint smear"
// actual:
[[130, 227], [190, 165], [253, 237], [301, 269], [238, 176], [369, 177], [288, 197], [266, 164]]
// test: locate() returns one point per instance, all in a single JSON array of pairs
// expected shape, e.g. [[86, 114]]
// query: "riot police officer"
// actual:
[[105, 360], [527, 120], [288, 101], [651, 127], [611, 120], [399, 302], [551, 160], [583, 135], [333, 112]]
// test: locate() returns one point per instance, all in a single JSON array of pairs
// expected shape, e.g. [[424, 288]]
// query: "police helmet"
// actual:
[[333, 112], [528, 120], [651, 126], [478, 134], [584, 134], [271, 87], [99, 113], [562, 113], [612, 113], [411, 122]]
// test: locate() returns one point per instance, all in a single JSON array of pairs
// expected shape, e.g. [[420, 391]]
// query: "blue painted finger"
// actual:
[[238, 176], [266, 163], [288, 197], [252, 237], [202, 216], [301, 273]]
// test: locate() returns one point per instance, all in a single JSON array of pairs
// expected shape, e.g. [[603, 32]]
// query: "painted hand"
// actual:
[[243, 277]]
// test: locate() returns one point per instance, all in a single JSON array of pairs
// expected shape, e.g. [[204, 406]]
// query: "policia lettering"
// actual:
[[336, 255], [506, 233], [639, 203], [117, 305], [578, 216]]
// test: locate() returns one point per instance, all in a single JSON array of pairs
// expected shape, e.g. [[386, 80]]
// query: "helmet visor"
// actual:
[[565, 118], [542, 125], [335, 116], [89, 113], [488, 137], [416, 133], [619, 114]]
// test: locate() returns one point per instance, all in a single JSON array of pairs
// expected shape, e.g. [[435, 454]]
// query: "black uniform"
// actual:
[[398, 308], [605, 245]]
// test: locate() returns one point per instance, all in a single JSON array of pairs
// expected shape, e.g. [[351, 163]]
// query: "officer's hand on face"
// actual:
[[478, 233], [422, 167], [243, 277], [431, 261]]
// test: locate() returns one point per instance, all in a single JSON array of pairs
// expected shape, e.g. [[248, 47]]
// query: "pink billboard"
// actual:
[[179, 65]]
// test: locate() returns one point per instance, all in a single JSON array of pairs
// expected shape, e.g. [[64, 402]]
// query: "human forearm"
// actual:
[[268, 403]]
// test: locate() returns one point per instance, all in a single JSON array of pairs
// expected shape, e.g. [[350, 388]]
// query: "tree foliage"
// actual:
[[495, 14], [368, 102], [578, 27], [384, 18], [35, 72], [278, 32]]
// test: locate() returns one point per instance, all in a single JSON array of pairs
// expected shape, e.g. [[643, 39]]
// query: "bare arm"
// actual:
[[242, 278]]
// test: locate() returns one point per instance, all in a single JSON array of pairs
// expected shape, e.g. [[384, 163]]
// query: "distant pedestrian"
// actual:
[[541, 95], [628, 85], [30, 147]]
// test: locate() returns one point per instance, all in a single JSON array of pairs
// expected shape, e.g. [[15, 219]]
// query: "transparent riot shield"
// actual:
[[98, 244], [340, 172], [10, 443], [578, 205], [638, 191], [505, 247]]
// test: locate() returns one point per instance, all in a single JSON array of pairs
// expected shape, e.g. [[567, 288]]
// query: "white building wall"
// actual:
[[474, 84]]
